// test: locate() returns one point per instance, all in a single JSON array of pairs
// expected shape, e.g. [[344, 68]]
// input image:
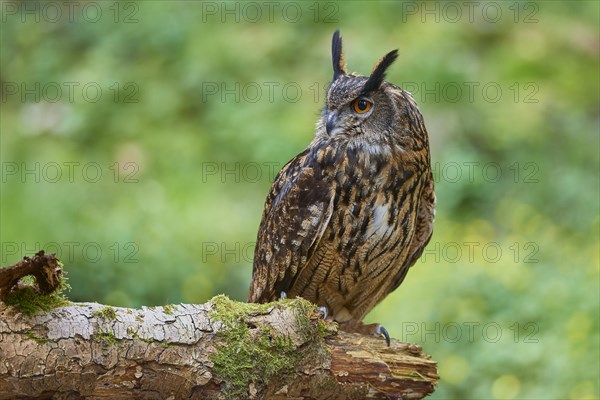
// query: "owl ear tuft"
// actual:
[[339, 65], [378, 73]]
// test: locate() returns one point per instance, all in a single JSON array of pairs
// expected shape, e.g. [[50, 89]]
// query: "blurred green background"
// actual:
[[139, 140]]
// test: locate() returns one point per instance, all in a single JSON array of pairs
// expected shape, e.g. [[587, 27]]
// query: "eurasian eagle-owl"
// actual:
[[346, 218]]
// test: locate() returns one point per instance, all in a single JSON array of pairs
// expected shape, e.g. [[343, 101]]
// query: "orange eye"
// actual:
[[361, 106]]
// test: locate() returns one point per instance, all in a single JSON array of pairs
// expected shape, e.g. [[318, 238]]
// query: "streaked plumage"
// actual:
[[346, 218]]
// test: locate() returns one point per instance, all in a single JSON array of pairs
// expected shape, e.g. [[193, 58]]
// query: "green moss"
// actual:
[[306, 311], [37, 339], [134, 335], [254, 355], [169, 309], [107, 312], [29, 302], [106, 338]]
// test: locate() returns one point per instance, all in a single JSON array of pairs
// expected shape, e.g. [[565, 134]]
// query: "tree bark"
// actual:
[[218, 350], [85, 351]]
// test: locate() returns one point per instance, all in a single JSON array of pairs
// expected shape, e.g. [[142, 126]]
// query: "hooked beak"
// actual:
[[330, 122]]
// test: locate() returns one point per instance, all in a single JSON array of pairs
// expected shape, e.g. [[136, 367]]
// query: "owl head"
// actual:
[[367, 109]]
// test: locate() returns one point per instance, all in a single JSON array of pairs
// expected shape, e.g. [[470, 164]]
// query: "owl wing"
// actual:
[[423, 231], [296, 213]]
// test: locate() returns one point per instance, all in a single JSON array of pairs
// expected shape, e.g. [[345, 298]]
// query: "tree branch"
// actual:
[[221, 349], [44, 267]]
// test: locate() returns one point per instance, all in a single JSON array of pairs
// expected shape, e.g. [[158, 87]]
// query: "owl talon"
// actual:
[[325, 311], [381, 331], [282, 295]]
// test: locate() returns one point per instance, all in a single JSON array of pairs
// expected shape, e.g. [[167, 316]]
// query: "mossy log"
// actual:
[[221, 349], [218, 350]]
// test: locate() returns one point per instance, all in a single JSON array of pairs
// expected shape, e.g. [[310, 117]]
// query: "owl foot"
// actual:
[[381, 331], [325, 311], [370, 329]]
